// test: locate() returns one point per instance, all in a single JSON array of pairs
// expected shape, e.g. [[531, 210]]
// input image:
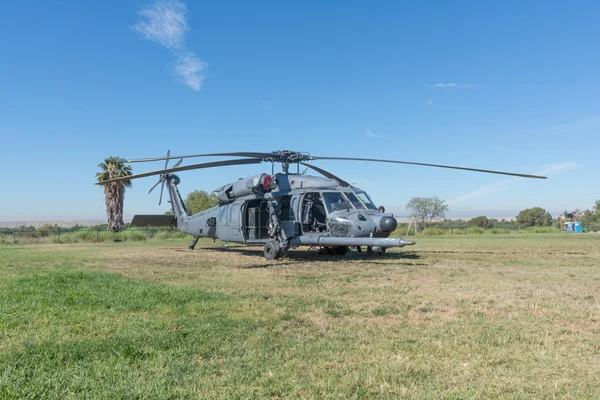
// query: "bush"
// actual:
[[538, 229], [432, 231], [162, 235], [475, 230], [595, 226]]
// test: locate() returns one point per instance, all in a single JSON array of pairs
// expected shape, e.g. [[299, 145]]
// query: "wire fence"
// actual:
[[32, 235], [472, 230], [64, 235]]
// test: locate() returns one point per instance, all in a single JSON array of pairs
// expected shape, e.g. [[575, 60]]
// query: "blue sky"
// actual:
[[507, 85]]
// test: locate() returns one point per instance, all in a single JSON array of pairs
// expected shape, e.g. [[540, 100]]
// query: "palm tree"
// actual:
[[114, 192]]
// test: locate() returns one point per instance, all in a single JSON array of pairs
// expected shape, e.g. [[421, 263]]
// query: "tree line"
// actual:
[[430, 211]]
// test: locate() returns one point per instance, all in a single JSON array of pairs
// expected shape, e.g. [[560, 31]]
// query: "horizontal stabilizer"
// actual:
[[154, 220]]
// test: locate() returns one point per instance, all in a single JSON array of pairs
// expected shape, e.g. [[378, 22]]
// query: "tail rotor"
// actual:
[[162, 177]]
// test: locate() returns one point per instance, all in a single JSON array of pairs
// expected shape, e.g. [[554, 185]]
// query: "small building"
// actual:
[[574, 227], [571, 222]]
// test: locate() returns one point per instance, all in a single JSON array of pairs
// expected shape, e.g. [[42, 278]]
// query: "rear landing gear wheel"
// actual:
[[193, 244], [271, 250]]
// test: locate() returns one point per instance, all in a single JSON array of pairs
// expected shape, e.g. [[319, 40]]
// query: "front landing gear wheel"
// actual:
[[340, 250], [372, 250], [271, 250]]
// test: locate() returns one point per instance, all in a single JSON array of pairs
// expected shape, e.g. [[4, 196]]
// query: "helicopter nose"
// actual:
[[388, 224]]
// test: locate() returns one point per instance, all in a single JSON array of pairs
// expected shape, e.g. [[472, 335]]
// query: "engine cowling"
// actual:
[[260, 183]]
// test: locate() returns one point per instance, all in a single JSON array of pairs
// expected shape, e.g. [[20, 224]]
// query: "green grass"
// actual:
[[475, 230], [465, 316]]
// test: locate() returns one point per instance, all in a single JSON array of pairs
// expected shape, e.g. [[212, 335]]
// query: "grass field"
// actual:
[[472, 316]]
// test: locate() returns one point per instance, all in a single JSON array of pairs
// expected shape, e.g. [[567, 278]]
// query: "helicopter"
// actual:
[[283, 210]]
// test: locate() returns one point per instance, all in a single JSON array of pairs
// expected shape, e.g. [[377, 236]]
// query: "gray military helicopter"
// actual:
[[283, 210]]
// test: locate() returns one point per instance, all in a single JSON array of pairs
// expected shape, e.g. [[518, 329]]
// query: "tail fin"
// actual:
[[177, 203]]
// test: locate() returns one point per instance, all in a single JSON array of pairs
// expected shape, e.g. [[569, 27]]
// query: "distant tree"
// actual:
[[199, 200], [426, 209], [49, 229], [114, 192], [591, 218], [535, 216], [452, 223], [588, 217], [482, 222]]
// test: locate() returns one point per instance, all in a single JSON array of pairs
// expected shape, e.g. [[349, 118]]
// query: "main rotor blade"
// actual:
[[488, 171], [167, 159], [327, 174], [185, 168], [243, 154], [178, 163]]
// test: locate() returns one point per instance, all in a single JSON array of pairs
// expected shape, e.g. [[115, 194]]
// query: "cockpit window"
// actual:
[[367, 200], [355, 201], [335, 201]]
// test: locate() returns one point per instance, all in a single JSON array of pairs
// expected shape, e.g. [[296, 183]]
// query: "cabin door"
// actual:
[[235, 221]]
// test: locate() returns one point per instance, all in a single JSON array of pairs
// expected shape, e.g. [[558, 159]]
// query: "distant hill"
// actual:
[[39, 224]]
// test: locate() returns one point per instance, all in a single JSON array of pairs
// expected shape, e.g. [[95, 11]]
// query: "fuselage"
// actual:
[[306, 206]]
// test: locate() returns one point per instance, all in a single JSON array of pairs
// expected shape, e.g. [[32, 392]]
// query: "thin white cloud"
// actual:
[[165, 22], [556, 168], [371, 134], [189, 69], [480, 191], [582, 124], [496, 186], [449, 85]]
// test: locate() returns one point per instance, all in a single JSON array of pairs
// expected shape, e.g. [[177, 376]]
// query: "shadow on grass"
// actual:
[[299, 256]]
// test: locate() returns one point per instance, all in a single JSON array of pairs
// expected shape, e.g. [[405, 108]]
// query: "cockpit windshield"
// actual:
[[366, 200], [355, 201], [336, 201]]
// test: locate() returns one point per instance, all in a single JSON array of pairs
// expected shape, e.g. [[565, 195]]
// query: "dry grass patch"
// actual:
[[453, 317]]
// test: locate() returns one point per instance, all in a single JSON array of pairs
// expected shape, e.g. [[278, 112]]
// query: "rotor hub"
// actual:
[[287, 157]]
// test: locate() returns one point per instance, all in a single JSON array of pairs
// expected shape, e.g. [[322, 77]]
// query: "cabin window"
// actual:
[[336, 201], [234, 214], [223, 215]]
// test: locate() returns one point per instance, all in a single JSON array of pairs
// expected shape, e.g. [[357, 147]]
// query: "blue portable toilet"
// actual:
[[577, 227]]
